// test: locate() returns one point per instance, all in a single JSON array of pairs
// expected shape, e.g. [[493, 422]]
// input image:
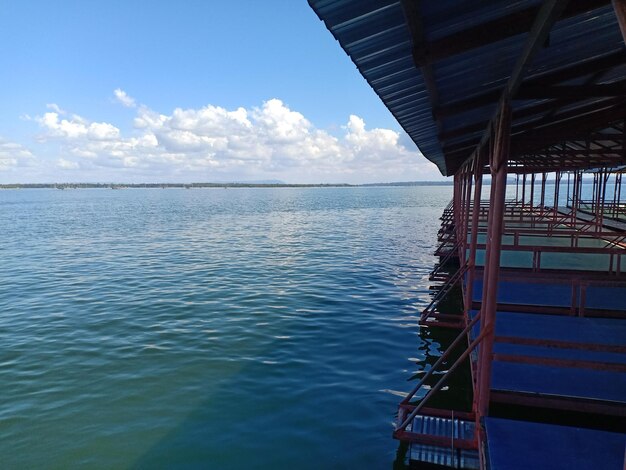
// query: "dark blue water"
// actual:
[[239, 328]]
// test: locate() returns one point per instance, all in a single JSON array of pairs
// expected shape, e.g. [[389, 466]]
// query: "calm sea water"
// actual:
[[239, 328]]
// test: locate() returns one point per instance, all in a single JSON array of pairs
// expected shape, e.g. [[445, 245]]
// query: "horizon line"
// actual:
[[216, 184]]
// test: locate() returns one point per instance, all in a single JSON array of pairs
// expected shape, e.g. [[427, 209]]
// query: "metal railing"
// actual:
[[578, 303], [613, 257], [403, 419], [445, 259], [450, 239], [444, 291]]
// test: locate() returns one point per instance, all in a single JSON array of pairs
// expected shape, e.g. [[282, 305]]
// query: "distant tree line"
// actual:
[[207, 185]]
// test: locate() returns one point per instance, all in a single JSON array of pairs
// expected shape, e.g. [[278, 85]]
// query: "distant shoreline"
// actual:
[[210, 185], [450, 182]]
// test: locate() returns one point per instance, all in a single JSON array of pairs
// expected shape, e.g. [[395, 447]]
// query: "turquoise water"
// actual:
[[239, 328]]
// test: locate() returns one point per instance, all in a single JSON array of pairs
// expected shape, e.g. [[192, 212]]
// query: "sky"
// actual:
[[191, 91]]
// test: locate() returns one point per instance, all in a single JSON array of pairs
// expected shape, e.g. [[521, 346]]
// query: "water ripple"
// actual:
[[242, 328]]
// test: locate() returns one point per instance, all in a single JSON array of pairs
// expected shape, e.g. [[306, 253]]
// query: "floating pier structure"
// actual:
[[523, 103]]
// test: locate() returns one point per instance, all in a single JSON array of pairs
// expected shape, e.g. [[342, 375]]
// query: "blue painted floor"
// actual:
[[582, 382], [522, 445], [554, 295]]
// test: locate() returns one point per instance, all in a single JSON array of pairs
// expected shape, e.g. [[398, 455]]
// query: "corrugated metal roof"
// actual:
[[377, 37]]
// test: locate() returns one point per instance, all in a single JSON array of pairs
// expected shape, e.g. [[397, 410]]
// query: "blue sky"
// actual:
[[135, 91]]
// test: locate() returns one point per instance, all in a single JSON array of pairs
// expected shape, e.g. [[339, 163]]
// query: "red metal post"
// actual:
[[468, 202], [619, 190], [614, 208], [619, 6], [557, 187], [471, 263], [594, 199], [573, 193], [492, 195], [456, 203], [604, 181], [575, 190], [462, 228], [600, 177], [492, 189], [532, 191], [498, 165], [567, 196], [579, 191], [460, 208]]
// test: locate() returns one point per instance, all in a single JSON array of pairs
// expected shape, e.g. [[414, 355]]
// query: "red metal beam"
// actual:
[[431, 440], [575, 92], [492, 31], [567, 73], [559, 403], [535, 139], [571, 363], [539, 109], [440, 413]]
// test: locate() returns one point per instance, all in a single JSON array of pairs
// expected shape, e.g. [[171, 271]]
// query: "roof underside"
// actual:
[[441, 67]]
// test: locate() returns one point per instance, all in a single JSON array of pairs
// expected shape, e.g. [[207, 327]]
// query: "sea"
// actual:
[[216, 328]]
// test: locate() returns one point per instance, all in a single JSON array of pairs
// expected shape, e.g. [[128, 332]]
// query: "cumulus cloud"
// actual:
[[55, 107], [212, 143], [67, 164], [123, 98], [76, 127], [13, 155]]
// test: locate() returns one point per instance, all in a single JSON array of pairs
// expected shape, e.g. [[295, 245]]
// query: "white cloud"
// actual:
[[76, 128], [67, 164], [215, 144], [123, 98], [102, 131], [56, 127], [13, 155], [55, 107]]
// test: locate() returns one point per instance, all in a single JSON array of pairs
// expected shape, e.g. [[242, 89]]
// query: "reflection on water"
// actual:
[[243, 328]]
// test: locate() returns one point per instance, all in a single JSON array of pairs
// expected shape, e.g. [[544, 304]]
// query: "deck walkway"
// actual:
[[578, 361], [599, 296], [584, 215], [551, 446]]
